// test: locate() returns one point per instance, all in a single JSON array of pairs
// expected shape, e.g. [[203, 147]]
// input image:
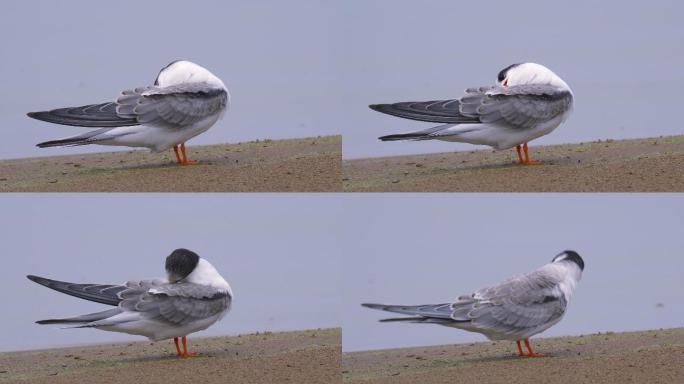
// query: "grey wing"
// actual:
[[522, 302], [99, 293], [177, 304], [172, 107], [521, 106], [93, 115], [436, 111]]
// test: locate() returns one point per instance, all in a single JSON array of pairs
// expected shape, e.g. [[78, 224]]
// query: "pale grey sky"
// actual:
[[421, 249], [279, 254]]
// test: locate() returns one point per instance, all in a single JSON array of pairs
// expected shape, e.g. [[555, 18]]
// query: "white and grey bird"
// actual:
[[185, 100], [516, 309], [193, 297], [528, 101]]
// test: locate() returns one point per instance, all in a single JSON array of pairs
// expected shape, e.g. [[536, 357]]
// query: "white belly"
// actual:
[[156, 138], [156, 330], [497, 136]]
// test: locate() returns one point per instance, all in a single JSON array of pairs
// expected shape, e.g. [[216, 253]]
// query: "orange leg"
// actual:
[[185, 156], [178, 351], [520, 158], [185, 348], [178, 159], [527, 157], [520, 351], [531, 352]]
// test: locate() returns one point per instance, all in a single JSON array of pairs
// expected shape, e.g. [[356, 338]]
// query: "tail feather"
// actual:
[[440, 311], [93, 115], [405, 136], [83, 319], [425, 134], [421, 320], [83, 139]]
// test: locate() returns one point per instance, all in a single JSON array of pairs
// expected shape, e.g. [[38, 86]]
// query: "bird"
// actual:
[[193, 297], [516, 309], [184, 101], [527, 101]]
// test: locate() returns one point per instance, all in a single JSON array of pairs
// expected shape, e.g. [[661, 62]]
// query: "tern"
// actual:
[[516, 309], [192, 298], [185, 100], [528, 101]]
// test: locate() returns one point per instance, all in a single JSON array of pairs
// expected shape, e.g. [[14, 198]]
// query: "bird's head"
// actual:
[[181, 71], [569, 257], [181, 263], [529, 74]]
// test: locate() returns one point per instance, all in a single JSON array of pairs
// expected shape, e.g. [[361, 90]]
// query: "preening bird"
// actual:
[[193, 297], [185, 100], [516, 309], [528, 101]]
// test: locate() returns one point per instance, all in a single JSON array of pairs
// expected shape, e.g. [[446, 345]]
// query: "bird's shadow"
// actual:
[[513, 357], [162, 357]]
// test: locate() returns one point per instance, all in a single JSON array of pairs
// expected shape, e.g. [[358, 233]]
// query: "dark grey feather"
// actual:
[[436, 111], [93, 115], [82, 139], [97, 316], [428, 310], [99, 293]]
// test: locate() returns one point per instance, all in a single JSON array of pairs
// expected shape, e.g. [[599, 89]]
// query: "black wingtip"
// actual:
[[389, 138], [46, 144], [41, 116], [73, 141], [404, 136], [39, 280], [34, 278], [401, 319]]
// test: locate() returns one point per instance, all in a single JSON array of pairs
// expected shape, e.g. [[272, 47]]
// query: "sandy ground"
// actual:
[[635, 357], [311, 356], [297, 165], [643, 165]]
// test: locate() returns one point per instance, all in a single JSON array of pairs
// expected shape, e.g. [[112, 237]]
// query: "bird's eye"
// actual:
[[505, 83]]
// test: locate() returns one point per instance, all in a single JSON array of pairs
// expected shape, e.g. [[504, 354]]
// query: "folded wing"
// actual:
[[521, 106], [179, 303], [170, 107], [524, 302]]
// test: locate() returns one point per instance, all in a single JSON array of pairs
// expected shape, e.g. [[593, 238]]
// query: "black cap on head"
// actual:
[[502, 74], [571, 256], [180, 263]]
